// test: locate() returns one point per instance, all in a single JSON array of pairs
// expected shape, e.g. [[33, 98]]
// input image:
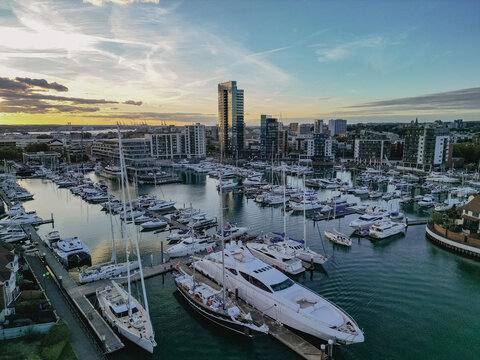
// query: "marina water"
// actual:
[[412, 299]]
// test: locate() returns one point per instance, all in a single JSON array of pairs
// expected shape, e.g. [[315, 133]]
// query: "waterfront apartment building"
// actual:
[[282, 143], [166, 145], [269, 131], [426, 146], [337, 127], [324, 147], [231, 118], [195, 141], [371, 149], [136, 151]]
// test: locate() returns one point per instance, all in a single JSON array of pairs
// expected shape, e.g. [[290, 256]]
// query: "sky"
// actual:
[[103, 61]]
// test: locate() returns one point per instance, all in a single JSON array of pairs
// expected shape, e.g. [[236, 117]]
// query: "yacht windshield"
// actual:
[[282, 285]]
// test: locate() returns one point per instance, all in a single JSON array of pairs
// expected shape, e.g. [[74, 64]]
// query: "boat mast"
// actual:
[[140, 267], [284, 205], [222, 237], [304, 215], [124, 203], [114, 249]]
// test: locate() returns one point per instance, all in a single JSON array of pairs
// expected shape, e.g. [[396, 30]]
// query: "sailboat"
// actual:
[[212, 303], [118, 306], [335, 235], [109, 270]]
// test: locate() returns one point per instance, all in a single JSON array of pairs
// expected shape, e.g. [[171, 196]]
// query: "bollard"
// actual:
[[104, 342], [161, 250], [322, 352], [60, 280], [151, 259], [330, 348]]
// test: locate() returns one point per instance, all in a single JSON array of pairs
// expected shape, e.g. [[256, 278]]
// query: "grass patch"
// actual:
[[52, 352], [68, 353]]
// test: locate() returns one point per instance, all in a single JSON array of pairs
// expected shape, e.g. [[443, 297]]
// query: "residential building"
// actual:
[[371, 149], [282, 143], [318, 126], [137, 151], [471, 215], [195, 141], [293, 128], [166, 145], [48, 159], [268, 136], [305, 129], [8, 279], [324, 147], [426, 146], [337, 127], [231, 118]]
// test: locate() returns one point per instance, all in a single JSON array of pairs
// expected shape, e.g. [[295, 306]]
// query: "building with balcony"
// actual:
[[231, 118]]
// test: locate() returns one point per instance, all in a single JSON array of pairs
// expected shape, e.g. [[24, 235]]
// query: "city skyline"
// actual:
[[100, 61]]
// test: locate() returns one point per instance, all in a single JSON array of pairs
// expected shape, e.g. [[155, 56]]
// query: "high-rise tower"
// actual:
[[230, 118]]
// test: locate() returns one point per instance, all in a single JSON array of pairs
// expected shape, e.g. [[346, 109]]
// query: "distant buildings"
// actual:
[[324, 147], [318, 126], [293, 128], [269, 133], [371, 149], [231, 118], [426, 146], [190, 142], [337, 127], [305, 129]]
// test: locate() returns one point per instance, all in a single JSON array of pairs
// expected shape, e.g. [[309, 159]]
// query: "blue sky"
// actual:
[[299, 60]]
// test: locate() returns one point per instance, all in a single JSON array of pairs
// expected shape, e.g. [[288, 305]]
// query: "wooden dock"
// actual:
[[293, 341]]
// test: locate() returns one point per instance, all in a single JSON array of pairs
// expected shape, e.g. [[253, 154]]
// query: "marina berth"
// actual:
[[267, 289]]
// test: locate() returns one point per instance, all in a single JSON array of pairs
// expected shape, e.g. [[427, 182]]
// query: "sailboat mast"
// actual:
[[223, 242], [114, 249], [284, 204], [304, 215], [124, 203], [140, 267]]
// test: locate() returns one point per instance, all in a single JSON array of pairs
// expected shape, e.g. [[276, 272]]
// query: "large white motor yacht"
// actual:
[[277, 256], [190, 246], [279, 297], [386, 229], [366, 220], [72, 252]]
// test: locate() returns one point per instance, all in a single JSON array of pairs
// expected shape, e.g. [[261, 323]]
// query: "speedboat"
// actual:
[[72, 252], [385, 229], [190, 246], [126, 315], [277, 256], [307, 205], [338, 238], [268, 290], [298, 249], [161, 205], [208, 302], [231, 231], [427, 201], [22, 219], [51, 238]]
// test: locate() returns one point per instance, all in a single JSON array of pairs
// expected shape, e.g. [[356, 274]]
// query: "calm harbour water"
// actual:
[[412, 299]]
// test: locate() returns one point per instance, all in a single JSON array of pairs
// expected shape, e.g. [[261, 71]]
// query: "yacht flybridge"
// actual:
[[268, 290]]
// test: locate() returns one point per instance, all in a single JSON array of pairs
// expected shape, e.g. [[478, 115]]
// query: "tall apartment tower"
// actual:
[[230, 118], [337, 126], [318, 126], [269, 128]]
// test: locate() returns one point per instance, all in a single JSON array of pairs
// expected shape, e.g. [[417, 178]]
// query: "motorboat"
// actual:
[[337, 237], [366, 220], [22, 219], [161, 205], [209, 303], [227, 185], [126, 315], [143, 219], [105, 271], [131, 214], [154, 224], [307, 205], [180, 235], [72, 252], [427, 201], [231, 231], [277, 256], [51, 238], [190, 246], [386, 229], [269, 290], [297, 248]]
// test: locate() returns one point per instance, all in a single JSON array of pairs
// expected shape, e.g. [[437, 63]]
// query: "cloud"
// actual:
[[463, 99], [348, 49], [121, 2], [133, 102], [42, 83], [20, 95]]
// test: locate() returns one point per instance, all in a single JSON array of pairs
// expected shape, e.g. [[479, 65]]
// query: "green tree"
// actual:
[[11, 153], [36, 147]]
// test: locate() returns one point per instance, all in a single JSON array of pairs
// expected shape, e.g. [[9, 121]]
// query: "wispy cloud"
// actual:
[[121, 2], [348, 49], [459, 100]]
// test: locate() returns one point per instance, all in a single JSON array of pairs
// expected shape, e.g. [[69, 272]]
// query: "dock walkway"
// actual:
[[104, 333]]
